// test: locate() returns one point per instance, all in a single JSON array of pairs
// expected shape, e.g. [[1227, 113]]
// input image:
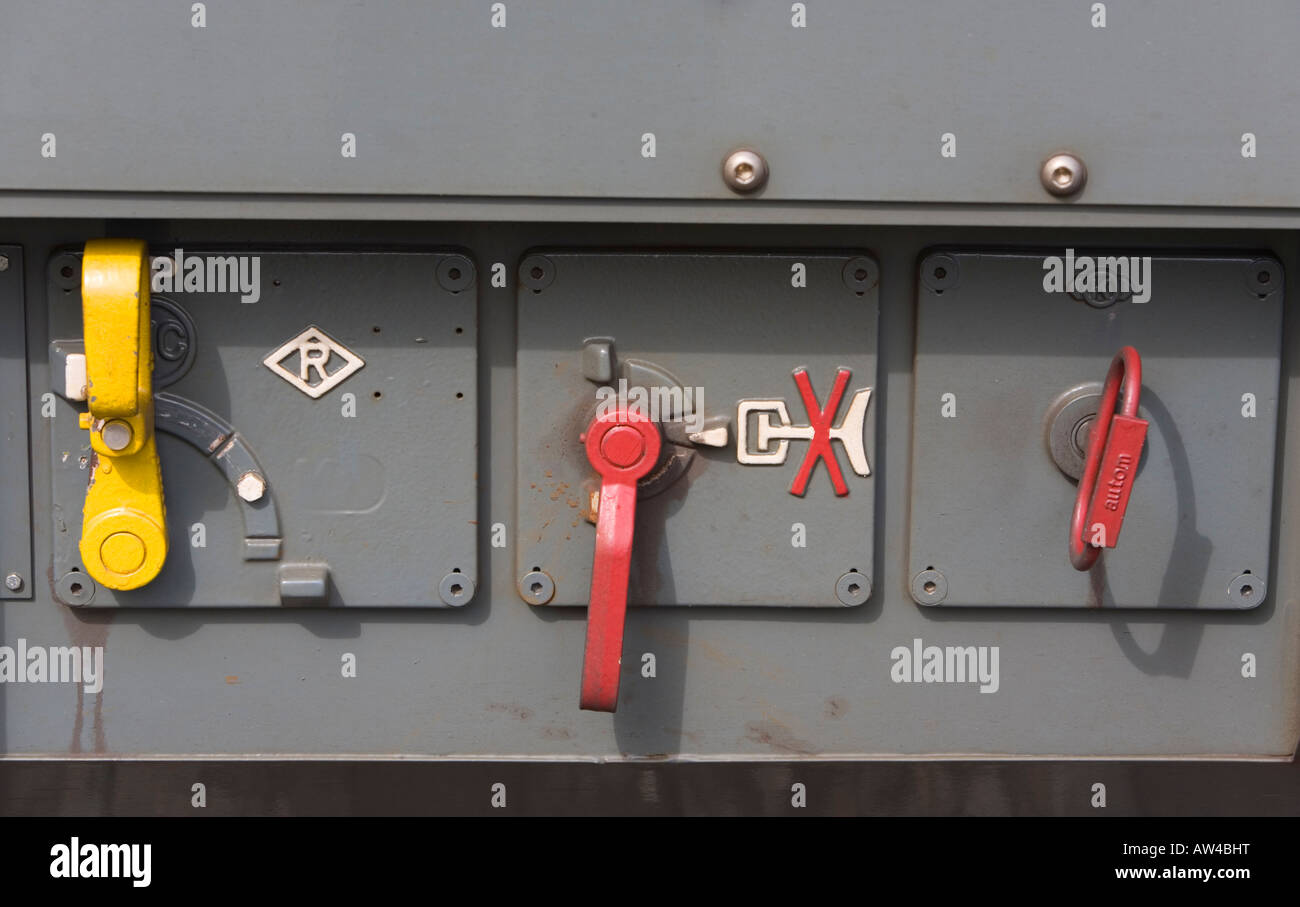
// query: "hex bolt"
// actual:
[[456, 589], [853, 588], [4, 262], [929, 587], [1063, 174], [117, 435], [536, 587], [14, 582], [251, 487], [75, 589], [745, 171]]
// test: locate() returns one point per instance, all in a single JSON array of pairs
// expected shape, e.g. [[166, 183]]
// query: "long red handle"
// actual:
[[623, 447], [607, 608]]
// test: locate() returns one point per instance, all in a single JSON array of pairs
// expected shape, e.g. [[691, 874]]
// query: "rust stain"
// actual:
[[232, 678], [837, 707], [552, 732], [89, 628], [776, 736], [689, 736], [514, 710]]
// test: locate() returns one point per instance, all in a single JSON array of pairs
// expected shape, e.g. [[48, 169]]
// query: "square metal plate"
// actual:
[[731, 329], [999, 361], [371, 461]]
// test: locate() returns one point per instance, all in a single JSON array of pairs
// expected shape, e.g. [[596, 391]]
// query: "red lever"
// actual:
[[1114, 449], [623, 447]]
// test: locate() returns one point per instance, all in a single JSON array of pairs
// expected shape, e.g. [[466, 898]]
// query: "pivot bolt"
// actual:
[[251, 487], [117, 435]]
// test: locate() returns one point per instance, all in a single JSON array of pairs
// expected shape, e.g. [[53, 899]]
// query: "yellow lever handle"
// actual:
[[124, 528]]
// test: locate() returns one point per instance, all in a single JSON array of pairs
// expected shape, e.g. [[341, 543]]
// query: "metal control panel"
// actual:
[[1010, 362], [600, 381], [767, 421], [316, 422]]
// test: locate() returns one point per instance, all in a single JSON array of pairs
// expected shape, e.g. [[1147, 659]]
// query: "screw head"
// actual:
[[1064, 174], [251, 487], [456, 589], [455, 273], [536, 272], [1247, 590], [536, 587], [853, 588], [929, 587], [13, 582], [745, 171], [75, 589]]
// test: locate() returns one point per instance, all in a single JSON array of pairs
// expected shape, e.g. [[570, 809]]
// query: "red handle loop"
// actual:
[[623, 447], [1121, 459]]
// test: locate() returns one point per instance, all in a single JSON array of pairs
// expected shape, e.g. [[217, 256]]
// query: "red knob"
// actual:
[[623, 447]]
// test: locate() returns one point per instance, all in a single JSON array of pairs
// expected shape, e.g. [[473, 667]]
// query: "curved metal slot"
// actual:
[[219, 441]]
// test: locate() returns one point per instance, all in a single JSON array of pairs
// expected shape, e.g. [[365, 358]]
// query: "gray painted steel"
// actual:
[[500, 678], [729, 327], [1006, 349], [15, 488], [853, 107], [384, 499]]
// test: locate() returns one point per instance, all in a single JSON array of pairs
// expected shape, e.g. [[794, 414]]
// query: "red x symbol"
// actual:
[[819, 448]]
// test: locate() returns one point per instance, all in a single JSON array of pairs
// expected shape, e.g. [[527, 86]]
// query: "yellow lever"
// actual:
[[124, 523]]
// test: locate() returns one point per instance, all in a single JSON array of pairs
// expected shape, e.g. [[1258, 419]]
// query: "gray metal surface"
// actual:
[[729, 328], [499, 677], [15, 471], [990, 510], [853, 106], [372, 482]]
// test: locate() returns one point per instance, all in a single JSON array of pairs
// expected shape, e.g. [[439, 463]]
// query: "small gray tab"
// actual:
[[304, 584], [262, 549], [598, 360]]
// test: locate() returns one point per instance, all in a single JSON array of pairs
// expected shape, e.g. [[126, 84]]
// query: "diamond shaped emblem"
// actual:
[[314, 362]]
